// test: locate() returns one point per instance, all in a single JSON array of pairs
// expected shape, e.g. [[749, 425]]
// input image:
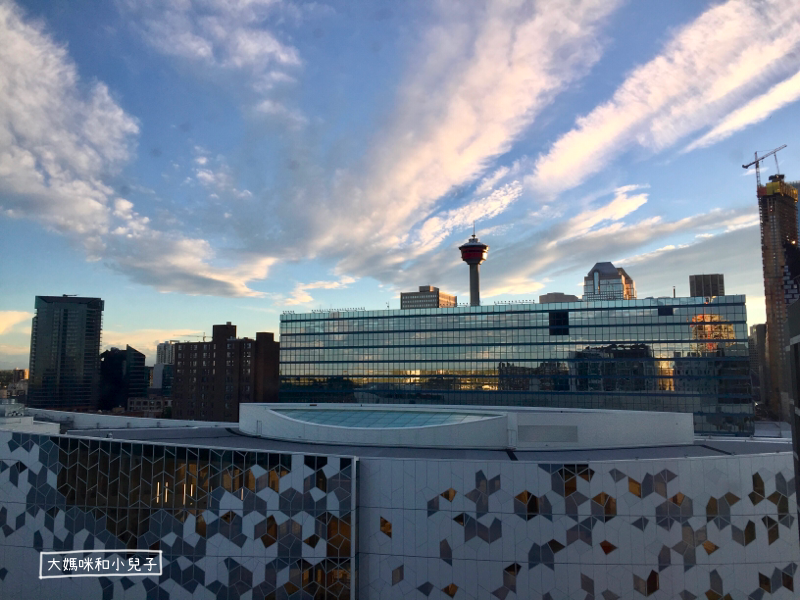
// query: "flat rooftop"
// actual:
[[232, 438]]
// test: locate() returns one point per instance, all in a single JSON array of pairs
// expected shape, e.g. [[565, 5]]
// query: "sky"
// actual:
[[195, 162]]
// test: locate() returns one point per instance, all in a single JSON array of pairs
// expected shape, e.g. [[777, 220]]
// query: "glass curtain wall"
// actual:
[[670, 354]]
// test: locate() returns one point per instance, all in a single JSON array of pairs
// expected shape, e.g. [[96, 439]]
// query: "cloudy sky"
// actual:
[[196, 162]]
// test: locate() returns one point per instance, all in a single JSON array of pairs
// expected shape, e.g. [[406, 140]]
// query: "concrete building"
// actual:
[[301, 501], [607, 282], [427, 297], [211, 379], [165, 353], [664, 354], [554, 297], [65, 353], [706, 285]]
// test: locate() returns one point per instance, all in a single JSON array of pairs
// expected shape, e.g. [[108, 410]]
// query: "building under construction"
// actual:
[[777, 205]]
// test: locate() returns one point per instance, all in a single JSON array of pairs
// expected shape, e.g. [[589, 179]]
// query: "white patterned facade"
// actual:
[[710, 519]]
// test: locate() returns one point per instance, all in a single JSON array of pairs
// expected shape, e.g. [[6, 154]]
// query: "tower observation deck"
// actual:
[[474, 253]]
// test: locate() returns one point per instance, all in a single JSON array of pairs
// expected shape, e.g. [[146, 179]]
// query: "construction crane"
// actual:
[[758, 160]]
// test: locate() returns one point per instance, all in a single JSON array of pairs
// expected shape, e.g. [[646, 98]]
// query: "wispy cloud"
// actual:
[[620, 207], [756, 110], [225, 35], [145, 340], [704, 72], [480, 76], [300, 293], [9, 318], [60, 140]]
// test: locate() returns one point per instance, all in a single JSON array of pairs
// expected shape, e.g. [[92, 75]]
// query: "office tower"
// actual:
[[396, 503], [777, 203], [19, 375], [165, 353], [474, 253], [427, 297], [665, 354], [607, 282], [706, 285], [65, 353], [211, 379], [123, 375], [554, 297]]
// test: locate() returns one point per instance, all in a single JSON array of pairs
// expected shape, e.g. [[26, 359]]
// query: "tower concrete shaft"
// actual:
[[475, 284], [474, 253]]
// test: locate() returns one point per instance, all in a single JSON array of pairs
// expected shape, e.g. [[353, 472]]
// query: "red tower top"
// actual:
[[474, 251]]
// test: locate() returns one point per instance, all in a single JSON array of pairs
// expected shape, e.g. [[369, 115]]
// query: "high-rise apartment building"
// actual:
[[607, 282], [665, 354], [123, 375], [212, 378], [165, 353], [705, 286], [777, 203], [65, 353], [427, 297]]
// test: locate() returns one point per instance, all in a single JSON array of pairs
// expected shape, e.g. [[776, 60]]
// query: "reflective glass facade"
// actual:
[[65, 353], [668, 354]]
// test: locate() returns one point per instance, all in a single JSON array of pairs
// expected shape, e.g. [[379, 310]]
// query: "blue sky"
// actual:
[[196, 162]]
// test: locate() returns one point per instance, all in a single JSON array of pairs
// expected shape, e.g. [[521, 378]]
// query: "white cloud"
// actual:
[[57, 137], [705, 71], [435, 229], [300, 293], [480, 77], [59, 140], [513, 287], [225, 35], [756, 110], [620, 206], [9, 318], [145, 340]]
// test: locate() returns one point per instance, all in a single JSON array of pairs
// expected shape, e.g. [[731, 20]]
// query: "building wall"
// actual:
[[706, 285], [256, 521], [65, 353], [672, 354], [123, 375], [427, 297], [624, 529], [165, 353], [663, 529], [211, 379]]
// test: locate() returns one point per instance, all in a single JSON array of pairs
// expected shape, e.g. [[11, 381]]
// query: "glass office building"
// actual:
[[665, 354], [65, 353]]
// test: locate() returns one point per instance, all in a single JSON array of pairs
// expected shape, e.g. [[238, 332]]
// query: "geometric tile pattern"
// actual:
[[244, 525], [707, 527], [231, 524]]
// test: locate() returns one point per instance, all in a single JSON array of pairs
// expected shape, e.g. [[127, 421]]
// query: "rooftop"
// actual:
[[447, 432]]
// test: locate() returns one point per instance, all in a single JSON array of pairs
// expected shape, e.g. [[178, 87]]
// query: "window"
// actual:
[[559, 322]]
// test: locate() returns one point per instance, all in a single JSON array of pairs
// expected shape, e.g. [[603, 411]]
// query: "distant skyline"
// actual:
[[206, 161]]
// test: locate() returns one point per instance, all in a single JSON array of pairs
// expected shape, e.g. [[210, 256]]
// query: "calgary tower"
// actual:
[[474, 253]]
